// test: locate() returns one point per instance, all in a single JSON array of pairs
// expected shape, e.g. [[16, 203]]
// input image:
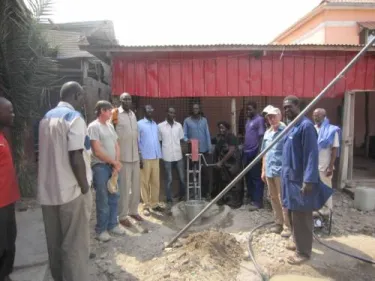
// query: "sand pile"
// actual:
[[218, 245], [208, 255]]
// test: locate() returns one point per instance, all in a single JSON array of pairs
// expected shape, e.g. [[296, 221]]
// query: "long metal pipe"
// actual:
[[278, 138]]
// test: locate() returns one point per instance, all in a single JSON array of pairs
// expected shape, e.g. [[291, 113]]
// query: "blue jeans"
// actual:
[[168, 178], [255, 185], [106, 203]]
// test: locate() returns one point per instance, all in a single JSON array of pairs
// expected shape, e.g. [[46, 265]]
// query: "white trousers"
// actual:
[[327, 181]]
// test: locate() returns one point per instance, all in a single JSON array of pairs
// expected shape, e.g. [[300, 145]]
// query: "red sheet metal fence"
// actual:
[[236, 74]]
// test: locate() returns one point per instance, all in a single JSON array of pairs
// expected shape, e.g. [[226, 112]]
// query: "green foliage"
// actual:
[[26, 73]]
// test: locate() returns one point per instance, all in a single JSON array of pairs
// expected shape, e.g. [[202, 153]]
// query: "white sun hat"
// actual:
[[271, 110]]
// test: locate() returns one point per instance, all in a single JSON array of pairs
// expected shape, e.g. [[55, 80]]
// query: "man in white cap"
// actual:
[[271, 170], [264, 114]]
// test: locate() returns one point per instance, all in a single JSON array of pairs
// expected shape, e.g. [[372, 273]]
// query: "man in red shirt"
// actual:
[[9, 194]]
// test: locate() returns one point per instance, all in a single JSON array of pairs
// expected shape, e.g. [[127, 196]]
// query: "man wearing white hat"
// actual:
[[264, 114], [271, 170]]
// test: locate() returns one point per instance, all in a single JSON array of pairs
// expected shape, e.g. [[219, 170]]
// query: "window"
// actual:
[[367, 32], [370, 35]]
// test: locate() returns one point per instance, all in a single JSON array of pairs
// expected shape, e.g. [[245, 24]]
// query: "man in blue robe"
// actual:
[[302, 190]]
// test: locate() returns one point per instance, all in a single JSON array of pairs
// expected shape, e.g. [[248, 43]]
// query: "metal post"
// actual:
[[187, 177], [277, 139], [85, 68], [347, 139], [233, 116], [200, 177]]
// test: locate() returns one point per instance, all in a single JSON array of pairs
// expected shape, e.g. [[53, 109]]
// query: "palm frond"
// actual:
[[41, 10], [26, 73]]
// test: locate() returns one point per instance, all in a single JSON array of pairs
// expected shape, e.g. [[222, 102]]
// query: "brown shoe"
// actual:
[[126, 223], [137, 217]]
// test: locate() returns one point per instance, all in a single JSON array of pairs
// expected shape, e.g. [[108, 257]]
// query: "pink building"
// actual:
[[333, 22]]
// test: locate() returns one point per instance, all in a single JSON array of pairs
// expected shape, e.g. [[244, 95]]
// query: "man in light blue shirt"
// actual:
[[150, 153], [271, 170], [196, 127]]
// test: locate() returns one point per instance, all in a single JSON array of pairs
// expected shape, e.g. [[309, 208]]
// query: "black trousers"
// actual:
[[8, 234], [206, 176], [302, 229]]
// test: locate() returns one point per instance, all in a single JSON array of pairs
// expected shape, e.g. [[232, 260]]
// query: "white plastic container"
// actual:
[[364, 198]]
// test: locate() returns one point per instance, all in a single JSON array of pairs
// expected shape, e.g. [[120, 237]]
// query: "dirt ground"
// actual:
[[221, 254]]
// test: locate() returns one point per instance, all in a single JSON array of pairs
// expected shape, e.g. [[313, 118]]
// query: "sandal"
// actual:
[[146, 212], [137, 217], [297, 259], [290, 246], [126, 223], [286, 233]]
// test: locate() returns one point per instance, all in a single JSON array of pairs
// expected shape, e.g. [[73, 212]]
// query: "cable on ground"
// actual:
[[266, 278]]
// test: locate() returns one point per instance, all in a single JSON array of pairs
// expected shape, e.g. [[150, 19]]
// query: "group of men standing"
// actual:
[[142, 145], [298, 171], [119, 156]]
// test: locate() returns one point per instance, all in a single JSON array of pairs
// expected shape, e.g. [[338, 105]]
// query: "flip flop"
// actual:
[[137, 217], [146, 212], [297, 259], [290, 246]]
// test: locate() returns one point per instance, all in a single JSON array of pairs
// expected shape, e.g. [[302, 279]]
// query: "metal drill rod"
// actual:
[[278, 138]]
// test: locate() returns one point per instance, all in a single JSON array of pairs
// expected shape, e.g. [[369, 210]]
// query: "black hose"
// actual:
[[265, 278], [342, 252], [251, 254]]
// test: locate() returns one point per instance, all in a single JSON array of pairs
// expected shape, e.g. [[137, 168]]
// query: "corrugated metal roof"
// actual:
[[232, 45], [319, 9], [102, 30], [349, 1], [67, 44], [219, 47], [367, 24]]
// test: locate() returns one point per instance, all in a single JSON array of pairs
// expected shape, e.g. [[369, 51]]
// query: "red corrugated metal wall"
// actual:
[[235, 74]]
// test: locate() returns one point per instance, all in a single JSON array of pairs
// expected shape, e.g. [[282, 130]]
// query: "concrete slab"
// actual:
[[35, 273], [31, 239]]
